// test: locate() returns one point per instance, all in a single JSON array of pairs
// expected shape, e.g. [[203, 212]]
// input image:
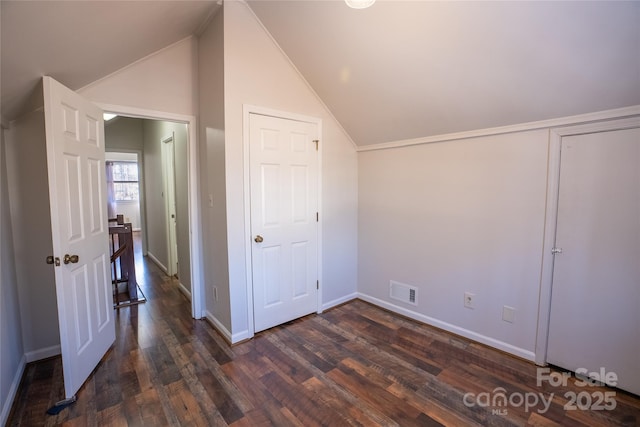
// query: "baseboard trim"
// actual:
[[483, 339], [184, 290], [43, 353], [338, 301], [218, 326], [13, 390], [157, 262]]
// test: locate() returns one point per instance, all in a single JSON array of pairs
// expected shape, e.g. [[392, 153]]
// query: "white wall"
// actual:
[[163, 81], [11, 348], [212, 173], [458, 216], [28, 185], [257, 72], [123, 134]]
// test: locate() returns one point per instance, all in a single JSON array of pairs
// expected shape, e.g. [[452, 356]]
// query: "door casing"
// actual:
[[195, 225], [247, 111]]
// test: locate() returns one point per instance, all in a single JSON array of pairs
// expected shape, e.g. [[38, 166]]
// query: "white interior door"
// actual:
[[595, 315], [169, 174], [284, 223], [77, 190]]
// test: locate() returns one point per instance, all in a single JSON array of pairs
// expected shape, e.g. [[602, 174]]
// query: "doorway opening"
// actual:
[[163, 148]]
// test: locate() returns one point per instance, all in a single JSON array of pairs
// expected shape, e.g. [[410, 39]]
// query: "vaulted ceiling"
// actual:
[[398, 70], [410, 69], [79, 42]]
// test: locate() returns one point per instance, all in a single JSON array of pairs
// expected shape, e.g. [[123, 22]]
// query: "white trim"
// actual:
[[13, 390], [157, 262], [43, 353], [247, 110], [231, 338], [483, 339], [551, 123], [195, 225], [241, 336], [338, 301], [184, 291], [551, 217], [301, 76]]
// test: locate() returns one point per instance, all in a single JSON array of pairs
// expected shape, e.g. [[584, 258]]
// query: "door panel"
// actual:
[[284, 200], [595, 320], [77, 192], [169, 176]]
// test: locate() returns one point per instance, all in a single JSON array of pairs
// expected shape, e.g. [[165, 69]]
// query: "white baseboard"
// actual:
[[43, 353], [218, 325], [11, 395], [232, 338], [483, 339], [184, 290], [338, 301], [157, 262], [241, 336]]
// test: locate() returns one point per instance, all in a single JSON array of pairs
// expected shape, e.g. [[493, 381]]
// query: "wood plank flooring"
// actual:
[[353, 365]]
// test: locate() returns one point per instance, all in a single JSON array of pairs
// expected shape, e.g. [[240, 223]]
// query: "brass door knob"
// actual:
[[259, 239], [70, 259]]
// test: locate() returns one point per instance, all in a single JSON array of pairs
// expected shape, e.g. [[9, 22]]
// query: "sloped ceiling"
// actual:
[[398, 70], [79, 42], [410, 69]]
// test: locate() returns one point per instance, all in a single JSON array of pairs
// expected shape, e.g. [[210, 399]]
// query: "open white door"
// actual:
[[284, 219], [77, 190], [595, 321]]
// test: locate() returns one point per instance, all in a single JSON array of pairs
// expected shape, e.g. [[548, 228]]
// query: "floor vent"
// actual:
[[405, 293]]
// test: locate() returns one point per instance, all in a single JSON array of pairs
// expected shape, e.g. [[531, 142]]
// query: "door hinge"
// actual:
[[317, 216], [317, 284], [317, 141]]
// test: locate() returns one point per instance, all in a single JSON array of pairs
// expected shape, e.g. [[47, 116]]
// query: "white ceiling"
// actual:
[[409, 69], [398, 70], [78, 42]]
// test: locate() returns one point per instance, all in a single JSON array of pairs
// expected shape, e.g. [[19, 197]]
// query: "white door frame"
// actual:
[[247, 110], [195, 224], [551, 216], [169, 178]]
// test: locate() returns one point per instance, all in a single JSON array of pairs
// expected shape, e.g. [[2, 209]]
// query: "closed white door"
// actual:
[[284, 219], [595, 305], [77, 189]]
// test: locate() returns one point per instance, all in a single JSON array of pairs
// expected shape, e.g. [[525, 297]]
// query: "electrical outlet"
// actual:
[[508, 313], [469, 300]]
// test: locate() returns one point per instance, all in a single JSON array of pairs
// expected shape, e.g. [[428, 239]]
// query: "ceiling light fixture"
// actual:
[[359, 4]]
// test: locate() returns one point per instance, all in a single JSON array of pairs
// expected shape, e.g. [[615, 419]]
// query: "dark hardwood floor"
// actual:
[[353, 365]]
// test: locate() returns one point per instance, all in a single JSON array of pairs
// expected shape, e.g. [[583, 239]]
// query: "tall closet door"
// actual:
[[595, 305]]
